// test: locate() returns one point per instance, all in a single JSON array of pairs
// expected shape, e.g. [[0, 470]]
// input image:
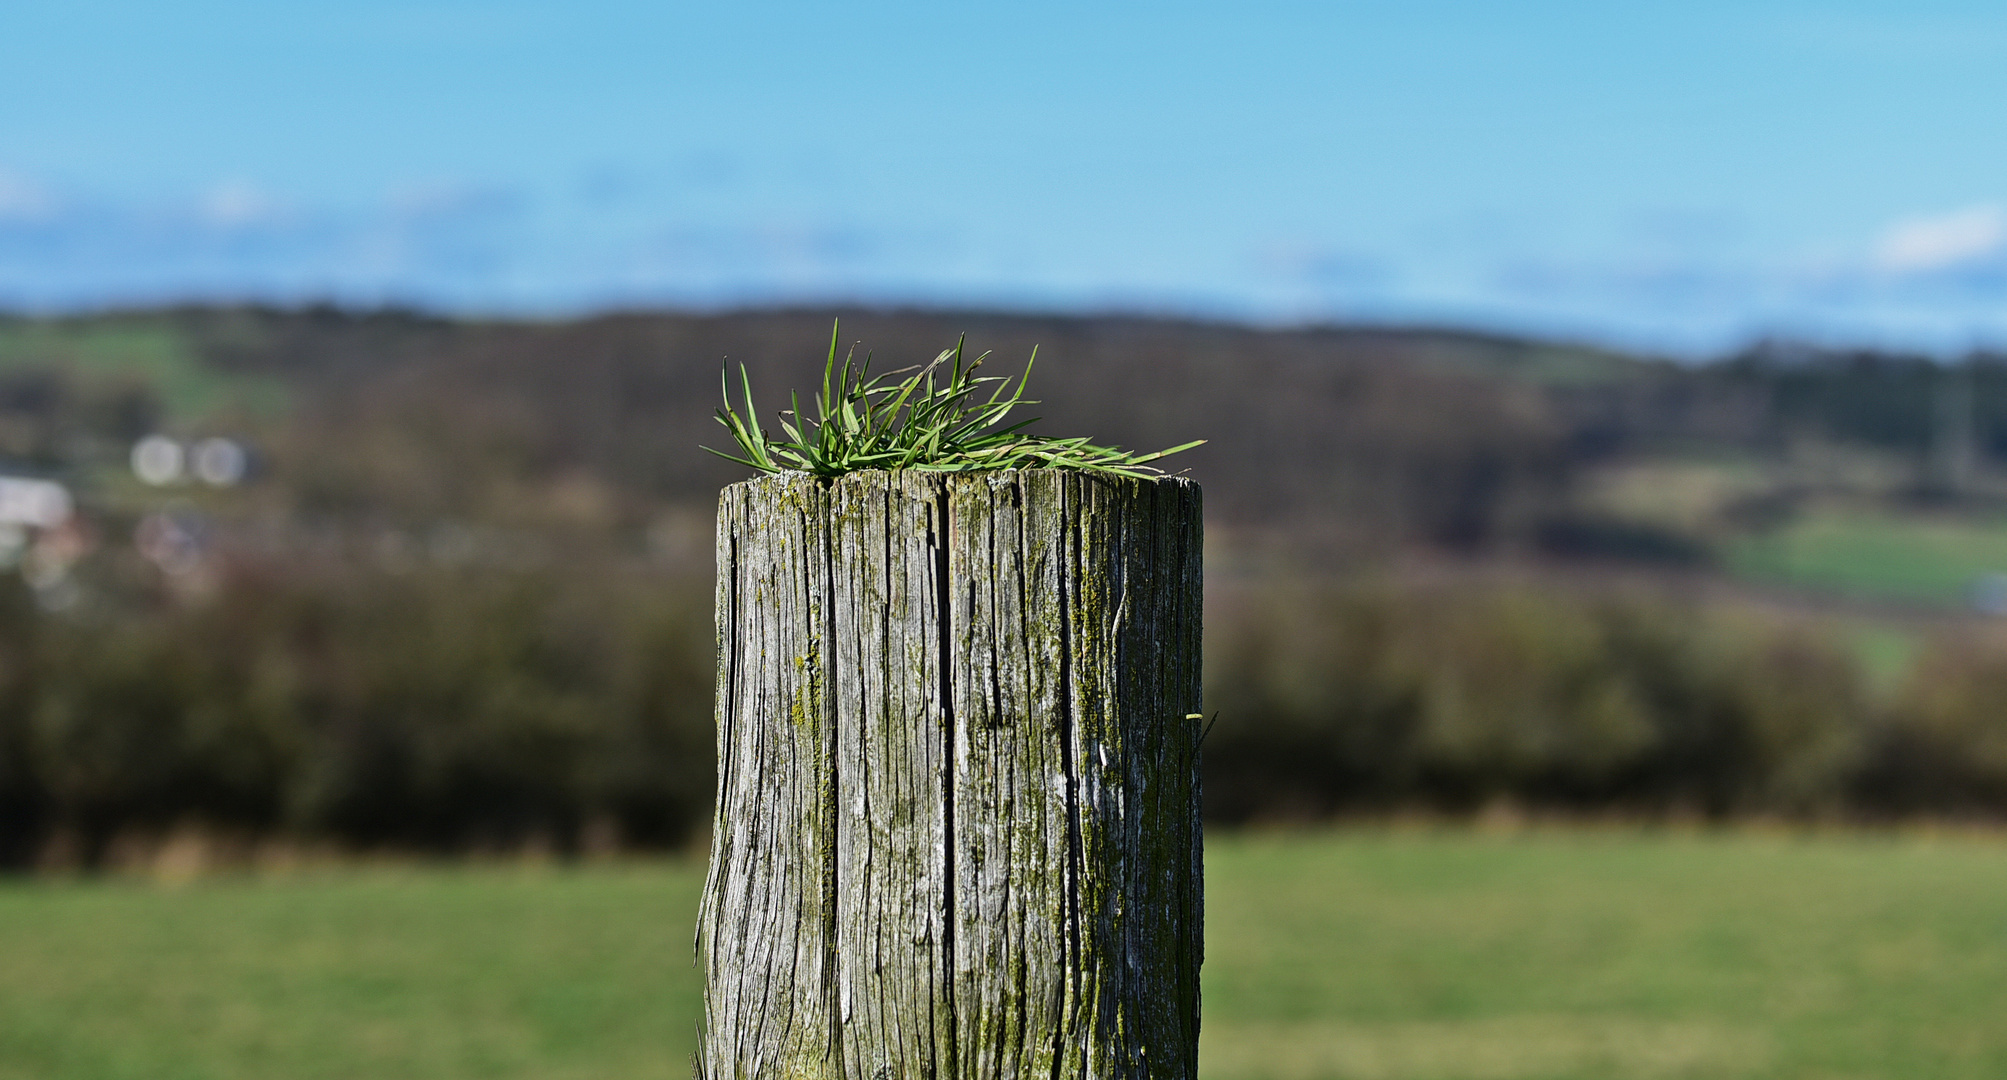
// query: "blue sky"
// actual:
[[1673, 176]]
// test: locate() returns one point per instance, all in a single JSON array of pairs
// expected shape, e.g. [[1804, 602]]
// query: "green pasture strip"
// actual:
[[156, 355], [1924, 560], [1389, 954], [1605, 954], [382, 974]]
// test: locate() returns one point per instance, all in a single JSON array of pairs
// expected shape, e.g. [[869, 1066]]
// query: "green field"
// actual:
[[1382, 954], [152, 355], [1914, 559]]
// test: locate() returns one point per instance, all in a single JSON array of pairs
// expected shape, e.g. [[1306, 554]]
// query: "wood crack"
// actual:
[[944, 625], [957, 821]]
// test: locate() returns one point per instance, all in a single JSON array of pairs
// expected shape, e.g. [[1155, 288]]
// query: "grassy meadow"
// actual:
[[1914, 559], [1362, 953]]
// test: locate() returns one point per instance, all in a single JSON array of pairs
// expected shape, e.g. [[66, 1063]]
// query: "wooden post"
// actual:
[[957, 830]]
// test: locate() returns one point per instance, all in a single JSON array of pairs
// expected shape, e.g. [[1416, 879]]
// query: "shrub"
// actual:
[[1385, 697], [430, 710], [1942, 748]]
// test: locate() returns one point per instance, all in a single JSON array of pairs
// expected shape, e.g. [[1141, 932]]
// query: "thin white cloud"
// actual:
[[1322, 265], [1933, 280], [236, 204], [22, 199], [1948, 241], [449, 199]]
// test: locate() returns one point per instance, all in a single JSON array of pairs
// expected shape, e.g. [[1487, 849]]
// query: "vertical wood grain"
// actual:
[[957, 830]]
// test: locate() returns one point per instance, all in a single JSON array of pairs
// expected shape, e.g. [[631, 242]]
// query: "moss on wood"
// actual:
[[958, 829]]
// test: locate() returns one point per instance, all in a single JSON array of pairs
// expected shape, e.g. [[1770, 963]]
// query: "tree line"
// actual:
[[449, 711], [463, 601]]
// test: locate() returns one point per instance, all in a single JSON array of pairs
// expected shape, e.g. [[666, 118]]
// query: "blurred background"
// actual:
[[1606, 494]]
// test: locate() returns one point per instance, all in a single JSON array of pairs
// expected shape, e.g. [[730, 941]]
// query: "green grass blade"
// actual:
[[944, 416]]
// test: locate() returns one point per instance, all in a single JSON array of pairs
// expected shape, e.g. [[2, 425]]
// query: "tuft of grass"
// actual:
[[935, 419]]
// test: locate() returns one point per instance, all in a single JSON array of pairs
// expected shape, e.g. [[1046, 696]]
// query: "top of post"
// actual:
[[935, 419], [776, 485]]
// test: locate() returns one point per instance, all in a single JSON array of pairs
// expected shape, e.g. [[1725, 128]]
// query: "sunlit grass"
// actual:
[[384, 974], [936, 419], [1916, 559], [1389, 954], [1579, 954], [155, 356]]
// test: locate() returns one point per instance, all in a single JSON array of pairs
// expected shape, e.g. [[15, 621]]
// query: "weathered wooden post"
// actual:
[[958, 828]]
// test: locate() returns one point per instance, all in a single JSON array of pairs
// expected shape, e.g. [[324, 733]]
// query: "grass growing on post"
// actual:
[[935, 420]]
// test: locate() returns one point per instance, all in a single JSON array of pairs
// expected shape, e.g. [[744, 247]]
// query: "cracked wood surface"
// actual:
[[957, 829]]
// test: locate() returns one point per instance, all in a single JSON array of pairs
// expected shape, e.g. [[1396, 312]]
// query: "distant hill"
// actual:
[[1375, 434], [1343, 439]]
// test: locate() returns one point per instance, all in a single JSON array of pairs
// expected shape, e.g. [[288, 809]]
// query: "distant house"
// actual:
[[40, 504]]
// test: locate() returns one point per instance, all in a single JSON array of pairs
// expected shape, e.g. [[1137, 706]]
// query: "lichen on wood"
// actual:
[[957, 830]]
